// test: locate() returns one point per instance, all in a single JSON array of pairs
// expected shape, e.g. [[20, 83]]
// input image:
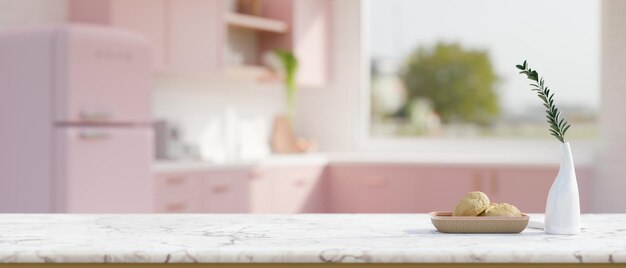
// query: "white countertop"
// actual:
[[272, 161], [447, 159], [315, 238], [323, 159]]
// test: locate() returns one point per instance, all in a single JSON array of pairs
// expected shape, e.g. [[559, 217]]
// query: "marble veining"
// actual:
[[370, 238]]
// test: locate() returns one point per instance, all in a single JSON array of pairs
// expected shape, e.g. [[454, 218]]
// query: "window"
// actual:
[[447, 68]]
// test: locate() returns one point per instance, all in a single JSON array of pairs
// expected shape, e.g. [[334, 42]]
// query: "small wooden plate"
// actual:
[[446, 223]]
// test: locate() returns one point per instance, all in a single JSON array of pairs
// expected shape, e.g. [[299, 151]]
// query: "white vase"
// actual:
[[563, 205]]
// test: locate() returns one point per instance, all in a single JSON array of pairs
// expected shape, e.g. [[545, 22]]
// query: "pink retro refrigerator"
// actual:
[[75, 121]]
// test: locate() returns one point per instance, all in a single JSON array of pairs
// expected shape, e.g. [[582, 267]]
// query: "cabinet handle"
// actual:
[[176, 207], [94, 135], [94, 115], [175, 181], [255, 174], [375, 182], [218, 189], [300, 183]]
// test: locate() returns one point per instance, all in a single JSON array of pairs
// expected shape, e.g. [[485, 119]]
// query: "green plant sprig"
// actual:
[[290, 65], [558, 124]]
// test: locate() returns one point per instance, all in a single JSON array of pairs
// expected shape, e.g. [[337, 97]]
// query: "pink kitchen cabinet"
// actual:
[[309, 36], [202, 192], [226, 192], [373, 189], [178, 193], [527, 188], [397, 188], [441, 187], [151, 24], [191, 37], [356, 188], [261, 191], [297, 189], [196, 34]]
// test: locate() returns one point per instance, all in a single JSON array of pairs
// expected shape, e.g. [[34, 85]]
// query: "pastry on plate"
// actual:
[[472, 204], [488, 207], [502, 210]]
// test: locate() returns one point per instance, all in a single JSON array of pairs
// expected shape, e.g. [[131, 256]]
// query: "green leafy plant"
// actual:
[[459, 82], [558, 124], [290, 65]]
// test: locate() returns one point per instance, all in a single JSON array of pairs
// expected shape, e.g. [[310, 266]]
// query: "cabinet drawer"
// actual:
[[299, 190], [225, 192], [178, 193], [525, 188], [177, 183], [261, 192], [288, 190], [385, 189], [178, 204]]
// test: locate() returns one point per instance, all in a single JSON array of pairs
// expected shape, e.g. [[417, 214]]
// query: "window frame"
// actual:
[[459, 148]]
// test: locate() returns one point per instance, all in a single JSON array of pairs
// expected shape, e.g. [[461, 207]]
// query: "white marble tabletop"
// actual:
[[223, 238], [362, 158]]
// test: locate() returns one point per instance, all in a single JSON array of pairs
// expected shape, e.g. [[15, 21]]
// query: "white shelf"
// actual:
[[234, 74], [256, 23], [250, 72]]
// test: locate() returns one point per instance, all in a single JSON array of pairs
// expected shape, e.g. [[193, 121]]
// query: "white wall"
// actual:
[[609, 184], [331, 115], [200, 110], [31, 13]]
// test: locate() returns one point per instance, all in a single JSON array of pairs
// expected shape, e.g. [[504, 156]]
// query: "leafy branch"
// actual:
[[290, 64], [558, 125]]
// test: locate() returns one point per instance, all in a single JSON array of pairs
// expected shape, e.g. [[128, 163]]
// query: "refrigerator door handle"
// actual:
[[94, 135], [95, 115]]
